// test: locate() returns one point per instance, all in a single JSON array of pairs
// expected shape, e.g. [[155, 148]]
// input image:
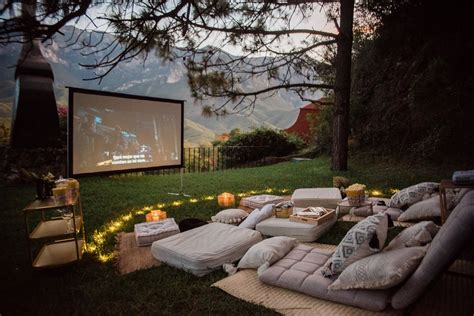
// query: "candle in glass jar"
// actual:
[[155, 214], [226, 199], [149, 217]]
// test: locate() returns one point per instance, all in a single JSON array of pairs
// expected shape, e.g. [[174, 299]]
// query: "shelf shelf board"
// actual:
[[54, 228], [48, 203], [58, 253]]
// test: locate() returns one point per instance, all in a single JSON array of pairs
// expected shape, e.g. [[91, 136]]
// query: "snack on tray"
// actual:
[[356, 194], [312, 212]]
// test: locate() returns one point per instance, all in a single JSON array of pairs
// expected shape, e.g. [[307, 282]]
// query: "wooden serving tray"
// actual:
[[314, 221]]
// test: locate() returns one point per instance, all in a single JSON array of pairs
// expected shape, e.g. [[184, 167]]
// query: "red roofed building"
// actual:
[[301, 126]]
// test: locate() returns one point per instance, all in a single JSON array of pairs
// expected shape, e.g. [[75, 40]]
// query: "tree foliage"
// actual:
[[185, 29], [250, 147], [291, 55], [415, 102], [22, 21]]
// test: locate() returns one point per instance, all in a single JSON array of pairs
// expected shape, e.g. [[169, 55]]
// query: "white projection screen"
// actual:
[[112, 132]]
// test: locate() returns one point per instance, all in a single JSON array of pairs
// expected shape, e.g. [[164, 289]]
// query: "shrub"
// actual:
[[250, 147]]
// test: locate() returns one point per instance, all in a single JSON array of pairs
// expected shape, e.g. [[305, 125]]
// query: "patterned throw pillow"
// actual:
[[380, 271], [230, 216], [417, 235], [413, 194], [365, 238]]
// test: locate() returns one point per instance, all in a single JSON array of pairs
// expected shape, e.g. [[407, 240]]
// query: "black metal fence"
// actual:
[[205, 159]]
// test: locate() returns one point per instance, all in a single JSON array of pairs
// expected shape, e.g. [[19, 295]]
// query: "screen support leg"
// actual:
[[181, 189]]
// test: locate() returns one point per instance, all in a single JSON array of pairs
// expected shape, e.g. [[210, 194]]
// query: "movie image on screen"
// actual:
[[110, 132]]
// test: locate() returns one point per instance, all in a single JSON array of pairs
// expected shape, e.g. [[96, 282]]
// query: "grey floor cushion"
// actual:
[[300, 270], [206, 248]]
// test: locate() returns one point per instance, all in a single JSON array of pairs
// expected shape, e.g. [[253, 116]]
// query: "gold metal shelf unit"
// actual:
[[60, 243]]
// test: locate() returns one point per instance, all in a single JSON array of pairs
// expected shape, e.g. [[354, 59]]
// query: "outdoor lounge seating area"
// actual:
[[374, 276], [281, 252]]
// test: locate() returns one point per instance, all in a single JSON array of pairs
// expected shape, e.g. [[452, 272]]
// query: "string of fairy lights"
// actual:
[[99, 238]]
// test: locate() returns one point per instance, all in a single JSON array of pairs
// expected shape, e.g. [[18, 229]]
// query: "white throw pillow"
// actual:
[[380, 271], [230, 216], [417, 235], [260, 256], [357, 243], [257, 216], [413, 194], [426, 209]]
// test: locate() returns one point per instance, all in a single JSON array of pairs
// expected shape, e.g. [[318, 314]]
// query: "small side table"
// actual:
[[448, 184]]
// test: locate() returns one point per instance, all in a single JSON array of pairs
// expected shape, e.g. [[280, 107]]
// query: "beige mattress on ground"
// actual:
[[206, 248]]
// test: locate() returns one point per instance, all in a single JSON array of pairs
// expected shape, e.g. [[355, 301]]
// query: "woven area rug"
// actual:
[[246, 286], [130, 257]]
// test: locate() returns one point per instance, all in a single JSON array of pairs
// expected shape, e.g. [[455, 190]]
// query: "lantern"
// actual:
[[226, 199], [155, 215], [148, 217]]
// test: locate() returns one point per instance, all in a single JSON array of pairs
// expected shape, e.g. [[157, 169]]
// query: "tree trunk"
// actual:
[[342, 88]]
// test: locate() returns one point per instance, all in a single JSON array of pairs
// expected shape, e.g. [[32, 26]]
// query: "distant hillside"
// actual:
[[153, 78], [196, 134]]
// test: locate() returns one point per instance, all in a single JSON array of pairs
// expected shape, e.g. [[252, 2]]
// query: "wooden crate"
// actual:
[[314, 221]]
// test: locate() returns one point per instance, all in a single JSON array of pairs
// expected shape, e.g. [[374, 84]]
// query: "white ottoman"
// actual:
[[147, 233], [324, 197], [284, 227]]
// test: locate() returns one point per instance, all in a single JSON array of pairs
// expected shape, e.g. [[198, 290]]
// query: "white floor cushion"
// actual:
[[146, 233], [324, 197], [206, 248], [284, 227]]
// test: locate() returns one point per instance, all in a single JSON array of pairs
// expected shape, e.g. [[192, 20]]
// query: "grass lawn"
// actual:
[[113, 204]]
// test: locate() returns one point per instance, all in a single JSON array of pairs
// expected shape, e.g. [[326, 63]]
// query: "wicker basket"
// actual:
[[283, 209]]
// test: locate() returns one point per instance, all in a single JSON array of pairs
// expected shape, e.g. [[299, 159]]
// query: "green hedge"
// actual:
[[253, 146]]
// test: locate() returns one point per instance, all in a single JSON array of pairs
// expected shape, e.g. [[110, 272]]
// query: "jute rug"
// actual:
[[130, 257], [246, 286]]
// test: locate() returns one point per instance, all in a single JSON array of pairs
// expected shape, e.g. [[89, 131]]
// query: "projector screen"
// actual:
[[111, 132]]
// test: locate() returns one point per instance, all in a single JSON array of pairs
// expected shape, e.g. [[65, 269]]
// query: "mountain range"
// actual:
[[153, 77]]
